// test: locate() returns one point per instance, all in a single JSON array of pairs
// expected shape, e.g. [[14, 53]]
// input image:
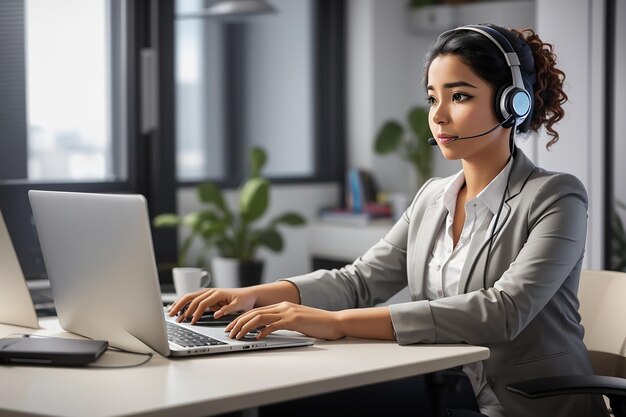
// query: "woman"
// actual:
[[492, 255]]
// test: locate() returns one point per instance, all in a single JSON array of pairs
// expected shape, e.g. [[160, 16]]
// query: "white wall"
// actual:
[[580, 148], [378, 81], [278, 80]]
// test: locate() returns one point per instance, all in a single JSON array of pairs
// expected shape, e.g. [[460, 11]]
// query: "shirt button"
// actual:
[[440, 293], [449, 250], [438, 267]]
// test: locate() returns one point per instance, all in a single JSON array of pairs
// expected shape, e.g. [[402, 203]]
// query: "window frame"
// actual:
[[329, 102], [610, 18]]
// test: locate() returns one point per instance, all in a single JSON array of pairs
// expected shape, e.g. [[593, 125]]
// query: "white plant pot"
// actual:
[[227, 273]]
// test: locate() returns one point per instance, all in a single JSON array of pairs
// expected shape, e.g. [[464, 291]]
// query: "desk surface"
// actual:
[[208, 385]]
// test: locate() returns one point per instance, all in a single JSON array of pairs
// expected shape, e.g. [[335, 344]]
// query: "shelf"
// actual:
[[437, 18], [347, 242]]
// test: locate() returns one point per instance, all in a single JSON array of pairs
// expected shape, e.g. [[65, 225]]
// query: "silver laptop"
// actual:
[[98, 253], [16, 305]]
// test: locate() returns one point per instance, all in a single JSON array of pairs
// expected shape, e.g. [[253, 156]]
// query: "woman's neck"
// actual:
[[479, 173]]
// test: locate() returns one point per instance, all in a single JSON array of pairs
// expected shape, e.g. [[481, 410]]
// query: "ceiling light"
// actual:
[[231, 9]]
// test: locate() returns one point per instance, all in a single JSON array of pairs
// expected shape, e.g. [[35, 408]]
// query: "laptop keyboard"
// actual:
[[188, 338]]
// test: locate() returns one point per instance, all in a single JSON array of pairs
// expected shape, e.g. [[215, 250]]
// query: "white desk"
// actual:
[[210, 385]]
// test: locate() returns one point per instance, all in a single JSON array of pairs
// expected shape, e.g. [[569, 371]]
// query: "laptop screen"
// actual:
[[98, 252], [16, 306]]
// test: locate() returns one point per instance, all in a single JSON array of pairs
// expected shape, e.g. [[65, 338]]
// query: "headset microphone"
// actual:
[[433, 141]]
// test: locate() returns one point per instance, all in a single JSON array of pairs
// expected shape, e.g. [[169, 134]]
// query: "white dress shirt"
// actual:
[[446, 263]]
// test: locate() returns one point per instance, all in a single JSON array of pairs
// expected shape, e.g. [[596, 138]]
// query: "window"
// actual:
[[278, 78], [66, 113], [271, 80], [69, 107], [199, 110], [69, 91]]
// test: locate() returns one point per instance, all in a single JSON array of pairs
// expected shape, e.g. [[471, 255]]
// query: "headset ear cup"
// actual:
[[519, 103], [512, 104], [502, 112]]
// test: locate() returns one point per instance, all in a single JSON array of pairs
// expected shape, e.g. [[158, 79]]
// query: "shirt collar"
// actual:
[[491, 195], [452, 190]]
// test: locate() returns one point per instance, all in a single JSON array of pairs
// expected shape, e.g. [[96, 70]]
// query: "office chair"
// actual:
[[602, 296]]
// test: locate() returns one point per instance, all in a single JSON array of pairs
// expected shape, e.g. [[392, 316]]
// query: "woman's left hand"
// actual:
[[309, 321]]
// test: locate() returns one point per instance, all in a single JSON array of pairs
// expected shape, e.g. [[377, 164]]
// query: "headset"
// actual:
[[513, 104]]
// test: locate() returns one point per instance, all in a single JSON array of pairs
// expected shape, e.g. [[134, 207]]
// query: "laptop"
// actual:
[[16, 305], [97, 249]]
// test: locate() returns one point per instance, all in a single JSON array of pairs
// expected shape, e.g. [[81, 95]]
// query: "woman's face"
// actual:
[[461, 104]]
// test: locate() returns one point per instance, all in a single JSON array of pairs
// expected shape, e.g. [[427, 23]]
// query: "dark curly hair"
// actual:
[[538, 68]]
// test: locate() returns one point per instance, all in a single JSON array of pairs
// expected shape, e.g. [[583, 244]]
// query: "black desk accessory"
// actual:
[[50, 351]]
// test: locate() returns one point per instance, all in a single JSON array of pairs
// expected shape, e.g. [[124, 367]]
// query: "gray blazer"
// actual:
[[528, 313]]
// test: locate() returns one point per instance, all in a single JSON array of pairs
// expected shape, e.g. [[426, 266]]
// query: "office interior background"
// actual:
[[147, 97]]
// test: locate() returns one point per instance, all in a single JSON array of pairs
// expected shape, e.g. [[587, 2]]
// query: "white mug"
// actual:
[[189, 279]]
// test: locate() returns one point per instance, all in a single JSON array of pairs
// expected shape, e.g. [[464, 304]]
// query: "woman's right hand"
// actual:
[[220, 300]]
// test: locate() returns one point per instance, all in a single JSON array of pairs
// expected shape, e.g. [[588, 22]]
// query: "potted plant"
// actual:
[[618, 238], [233, 232], [412, 145]]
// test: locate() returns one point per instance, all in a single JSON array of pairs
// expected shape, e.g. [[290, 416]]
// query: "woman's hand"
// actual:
[[289, 316], [220, 300]]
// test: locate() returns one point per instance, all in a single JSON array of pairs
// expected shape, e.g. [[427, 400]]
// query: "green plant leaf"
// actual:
[[389, 137], [258, 158], [271, 239], [420, 152], [166, 220], [193, 220], [211, 194], [209, 229], [618, 239], [196, 219], [291, 219], [418, 121], [254, 199], [226, 246]]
